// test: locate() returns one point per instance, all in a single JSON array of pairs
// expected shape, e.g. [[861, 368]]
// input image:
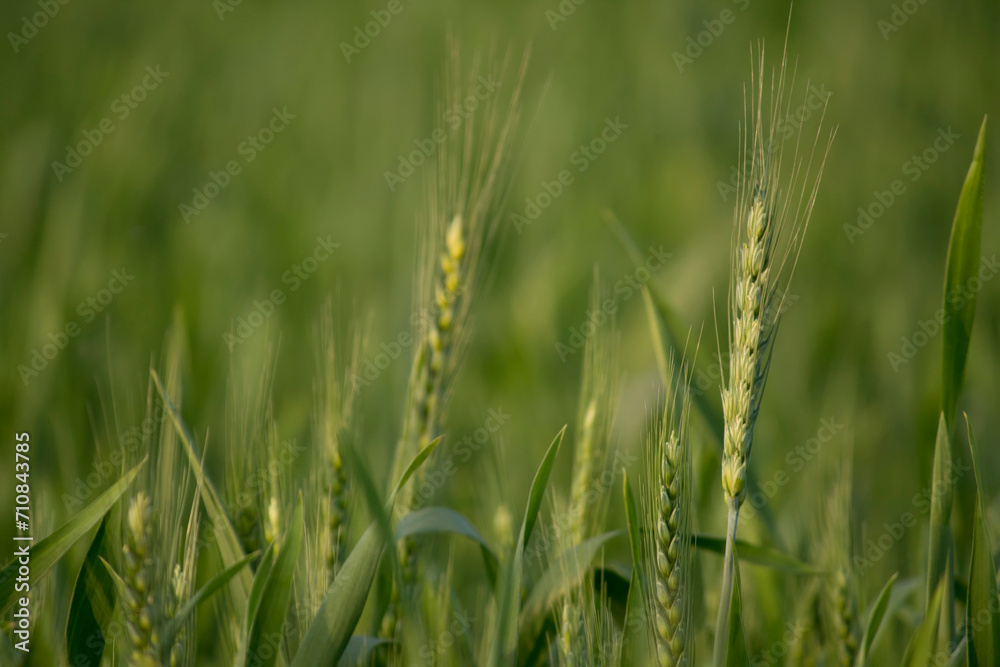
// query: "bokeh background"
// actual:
[[229, 65]]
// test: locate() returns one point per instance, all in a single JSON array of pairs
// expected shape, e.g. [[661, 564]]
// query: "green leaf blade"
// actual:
[[961, 269]]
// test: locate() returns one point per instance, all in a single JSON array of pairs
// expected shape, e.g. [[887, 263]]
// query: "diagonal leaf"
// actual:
[[50, 550], [205, 592], [562, 575], [259, 579], [264, 638], [961, 270], [92, 605], [225, 534], [982, 622], [875, 621]]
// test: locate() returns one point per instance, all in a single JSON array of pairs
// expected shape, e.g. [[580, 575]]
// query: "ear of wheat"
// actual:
[[159, 538], [465, 197], [595, 417], [665, 498], [774, 204]]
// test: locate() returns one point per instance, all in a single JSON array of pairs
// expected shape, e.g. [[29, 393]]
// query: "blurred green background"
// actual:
[[63, 234]]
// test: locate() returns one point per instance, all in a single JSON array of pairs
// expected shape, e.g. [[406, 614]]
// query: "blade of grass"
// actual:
[[504, 651], [446, 520], [50, 550], [92, 605], [266, 628], [327, 638], [225, 534], [875, 621], [962, 267], [982, 621], [941, 548], [562, 575], [757, 555]]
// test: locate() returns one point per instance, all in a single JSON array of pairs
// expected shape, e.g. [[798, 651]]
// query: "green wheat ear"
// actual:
[[595, 418], [666, 497], [775, 200], [466, 190]]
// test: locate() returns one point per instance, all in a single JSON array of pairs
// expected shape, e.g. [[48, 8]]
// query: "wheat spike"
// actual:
[[666, 510]]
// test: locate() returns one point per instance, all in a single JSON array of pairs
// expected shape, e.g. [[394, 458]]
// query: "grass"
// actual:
[[332, 557]]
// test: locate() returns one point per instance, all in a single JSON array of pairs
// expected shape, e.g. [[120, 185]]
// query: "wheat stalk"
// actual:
[[770, 221], [466, 192]]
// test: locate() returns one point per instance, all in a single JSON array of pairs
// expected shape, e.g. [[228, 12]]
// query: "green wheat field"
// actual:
[[568, 332]]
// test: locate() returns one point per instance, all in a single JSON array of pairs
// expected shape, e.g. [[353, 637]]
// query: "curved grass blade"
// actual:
[[921, 648], [259, 579], [982, 621], [962, 267], [50, 550], [757, 555], [327, 638], [266, 628], [446, 520], [504, 651], [91, 607], [564, 573], [941, 548], [875, 621]]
